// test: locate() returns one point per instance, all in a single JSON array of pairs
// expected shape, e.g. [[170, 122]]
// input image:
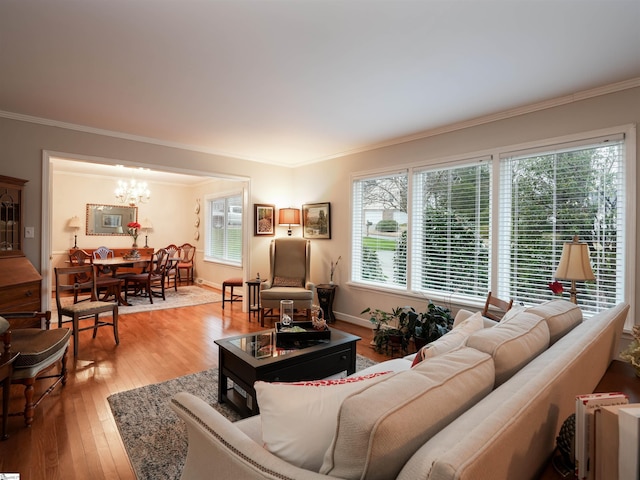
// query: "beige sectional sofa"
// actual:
[[488, 406]]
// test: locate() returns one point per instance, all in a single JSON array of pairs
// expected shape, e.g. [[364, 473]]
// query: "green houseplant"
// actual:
[[404, 323]]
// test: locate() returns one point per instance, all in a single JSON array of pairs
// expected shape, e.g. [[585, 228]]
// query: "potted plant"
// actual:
[[431, 324], [390, 328]]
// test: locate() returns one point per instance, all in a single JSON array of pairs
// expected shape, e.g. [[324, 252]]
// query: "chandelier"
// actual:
[[132, 192]]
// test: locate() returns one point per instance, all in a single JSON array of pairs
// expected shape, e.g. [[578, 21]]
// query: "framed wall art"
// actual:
[[316, 220], [264, 215]]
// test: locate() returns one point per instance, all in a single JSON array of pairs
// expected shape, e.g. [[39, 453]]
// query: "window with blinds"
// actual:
[[451, 219], [548, 196], [223, 240], [498, 223], [379, 235]]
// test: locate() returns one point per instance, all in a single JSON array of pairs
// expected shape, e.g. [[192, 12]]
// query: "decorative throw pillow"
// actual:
[[299, 419], [287, 282], [450, 340]]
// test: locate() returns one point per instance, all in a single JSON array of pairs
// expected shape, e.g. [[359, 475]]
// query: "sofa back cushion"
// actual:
[[512, 343], [381, 427], [452, 339], [561, 317]]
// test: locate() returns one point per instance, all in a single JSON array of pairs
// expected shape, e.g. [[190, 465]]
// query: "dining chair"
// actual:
[[289, 277], [187, 254], [41, 349], [495, 302], [66, 283], [150, 283], [172, 265], [106, 280]]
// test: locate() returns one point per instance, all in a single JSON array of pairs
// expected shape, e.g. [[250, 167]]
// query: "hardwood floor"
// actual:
[[73, 435]]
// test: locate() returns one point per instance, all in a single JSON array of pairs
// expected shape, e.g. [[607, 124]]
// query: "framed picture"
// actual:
[[316, 220], [265, 218], [111, 221]]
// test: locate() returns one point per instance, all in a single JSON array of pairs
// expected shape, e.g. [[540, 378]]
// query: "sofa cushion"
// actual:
[[380, 427], [512, 343], [299, 419], [561, 317], [451, 339]]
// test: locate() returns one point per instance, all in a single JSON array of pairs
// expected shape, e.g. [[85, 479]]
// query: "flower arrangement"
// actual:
[[556, 287], [333, 268], [631, 354], [132, 228]]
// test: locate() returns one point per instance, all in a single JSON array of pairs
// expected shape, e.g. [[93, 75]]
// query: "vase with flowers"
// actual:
[[631, 354], [333, 269], [132, 228]]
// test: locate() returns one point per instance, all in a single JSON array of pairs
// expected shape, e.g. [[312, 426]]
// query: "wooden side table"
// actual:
[[326, 294], [6, 368], [254, 296]]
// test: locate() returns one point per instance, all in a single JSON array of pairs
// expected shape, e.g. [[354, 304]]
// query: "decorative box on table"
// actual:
[[307, 334]]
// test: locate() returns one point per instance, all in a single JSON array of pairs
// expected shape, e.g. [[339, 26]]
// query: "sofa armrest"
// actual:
[[217, 445]]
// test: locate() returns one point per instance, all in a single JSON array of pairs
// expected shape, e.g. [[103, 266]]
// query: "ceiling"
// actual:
[[295, 81]]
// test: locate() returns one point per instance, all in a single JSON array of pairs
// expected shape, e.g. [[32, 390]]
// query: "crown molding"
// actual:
[[513, 112]]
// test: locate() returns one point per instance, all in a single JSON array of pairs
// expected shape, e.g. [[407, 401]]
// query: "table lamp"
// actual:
[[146, 225], [574, 265], [289, 216], [74, 223]]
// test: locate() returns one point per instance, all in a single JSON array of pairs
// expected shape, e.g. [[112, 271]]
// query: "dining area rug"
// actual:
[[185, 296], [155, 439]]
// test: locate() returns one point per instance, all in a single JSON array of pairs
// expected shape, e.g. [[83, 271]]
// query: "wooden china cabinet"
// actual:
[[20, 282]]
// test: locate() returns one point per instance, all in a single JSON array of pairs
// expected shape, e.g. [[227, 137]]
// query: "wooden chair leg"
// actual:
[[115, 326], [95, 324], [28, 397], [74, 333]]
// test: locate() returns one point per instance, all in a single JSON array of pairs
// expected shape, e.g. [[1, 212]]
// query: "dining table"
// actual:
[[114, 263]]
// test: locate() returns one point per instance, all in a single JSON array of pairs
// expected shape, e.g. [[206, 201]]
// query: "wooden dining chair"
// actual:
[[187, 254], [494, 302], [66, 284], [172, 265], [150, 283]]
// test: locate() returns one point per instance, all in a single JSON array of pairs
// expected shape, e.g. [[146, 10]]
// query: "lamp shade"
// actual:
[[574, 262], [289, 216], [74, 222], [146, 224]]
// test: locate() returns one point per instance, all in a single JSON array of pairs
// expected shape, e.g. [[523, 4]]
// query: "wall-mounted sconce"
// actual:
[[74, 224], [290, 217], [146, 225]]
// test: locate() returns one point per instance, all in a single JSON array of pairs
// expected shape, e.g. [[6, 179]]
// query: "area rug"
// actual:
[[154, 437], [186, 296]]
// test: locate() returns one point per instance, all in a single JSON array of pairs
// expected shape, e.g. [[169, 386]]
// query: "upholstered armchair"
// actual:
[[289, 277]]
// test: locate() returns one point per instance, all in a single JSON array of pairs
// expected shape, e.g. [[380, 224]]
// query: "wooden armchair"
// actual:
[[40, 351]]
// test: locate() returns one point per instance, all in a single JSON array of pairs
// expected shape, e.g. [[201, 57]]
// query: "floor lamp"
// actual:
[[574, 265]]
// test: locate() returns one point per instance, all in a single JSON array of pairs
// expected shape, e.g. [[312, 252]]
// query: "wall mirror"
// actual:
[[109, 219]]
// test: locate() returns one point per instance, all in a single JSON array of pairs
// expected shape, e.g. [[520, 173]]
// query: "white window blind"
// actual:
[[379, 230], [223, 239], [549, 196], [451, 220]]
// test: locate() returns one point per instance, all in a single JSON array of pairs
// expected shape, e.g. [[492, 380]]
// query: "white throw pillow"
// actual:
[[299, 419], [451, 339]]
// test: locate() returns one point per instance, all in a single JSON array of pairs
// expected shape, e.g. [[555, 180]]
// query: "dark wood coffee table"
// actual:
[[244, 359]]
